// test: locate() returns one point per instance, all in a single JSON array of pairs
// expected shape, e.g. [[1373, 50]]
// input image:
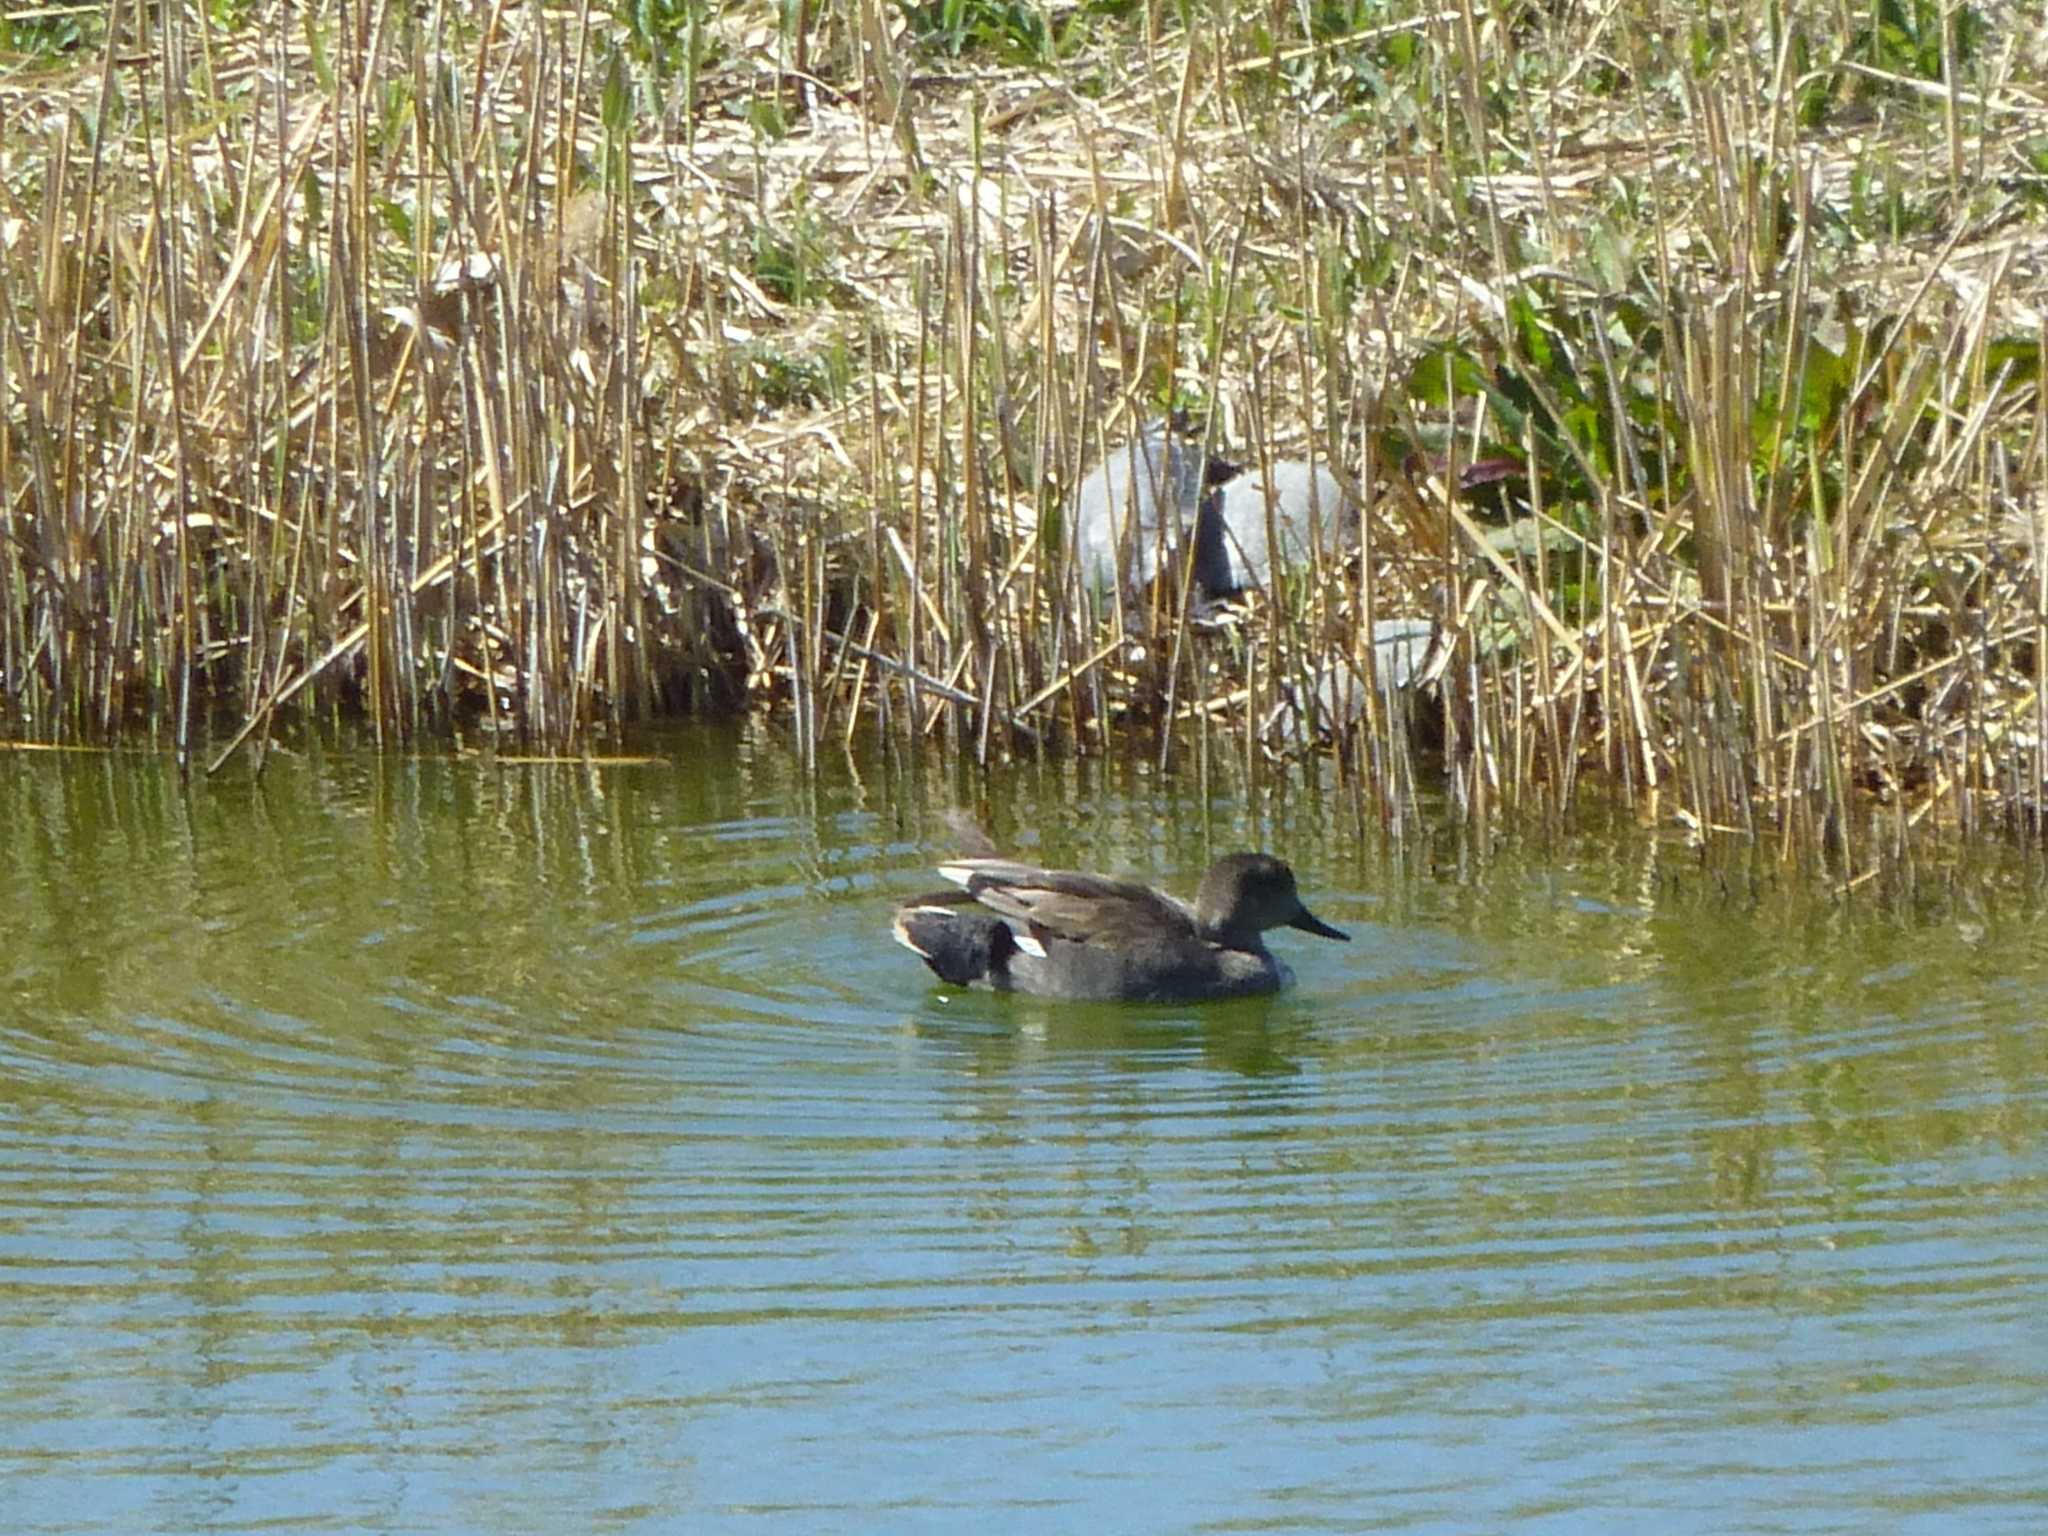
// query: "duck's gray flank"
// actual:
[[1067, 934]]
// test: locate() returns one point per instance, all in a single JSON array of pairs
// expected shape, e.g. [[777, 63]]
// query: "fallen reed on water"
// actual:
[[535, 370]]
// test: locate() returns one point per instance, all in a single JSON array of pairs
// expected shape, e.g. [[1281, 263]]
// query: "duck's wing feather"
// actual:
[[1067, 904]]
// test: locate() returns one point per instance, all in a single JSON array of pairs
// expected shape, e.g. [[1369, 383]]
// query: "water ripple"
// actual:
[[441, 1150]]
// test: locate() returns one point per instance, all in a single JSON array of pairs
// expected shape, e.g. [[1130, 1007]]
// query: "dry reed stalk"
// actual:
[[536, 377]]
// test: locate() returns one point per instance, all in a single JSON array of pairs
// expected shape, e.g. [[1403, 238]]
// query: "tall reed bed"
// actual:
[[531, 370]]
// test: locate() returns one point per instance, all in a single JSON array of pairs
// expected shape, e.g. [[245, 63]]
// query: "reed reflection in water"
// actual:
[[423, 1146]]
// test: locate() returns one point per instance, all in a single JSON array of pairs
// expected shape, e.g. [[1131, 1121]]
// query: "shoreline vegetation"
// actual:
[[525, 372]]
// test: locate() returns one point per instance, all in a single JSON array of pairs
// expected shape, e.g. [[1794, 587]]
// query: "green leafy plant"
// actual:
[[1013, 31], [794, 261], [664, 34], [1903, 37], [51, 34], [784, 380]]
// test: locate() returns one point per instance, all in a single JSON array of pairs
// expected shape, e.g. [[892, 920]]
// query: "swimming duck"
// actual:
[[1064, 934]]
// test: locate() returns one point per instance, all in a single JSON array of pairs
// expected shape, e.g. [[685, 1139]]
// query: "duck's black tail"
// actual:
[[962, 943]]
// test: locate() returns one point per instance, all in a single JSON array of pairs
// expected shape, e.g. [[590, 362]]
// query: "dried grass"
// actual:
[[515, 371]]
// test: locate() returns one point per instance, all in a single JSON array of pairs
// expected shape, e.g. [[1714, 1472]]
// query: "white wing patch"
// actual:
[[900, 931], [964, 871]]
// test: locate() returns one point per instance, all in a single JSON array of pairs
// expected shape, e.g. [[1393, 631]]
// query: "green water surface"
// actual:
[[419, 1145]]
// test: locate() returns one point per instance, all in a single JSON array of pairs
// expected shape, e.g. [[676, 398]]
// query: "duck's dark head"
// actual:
[[1244, 894]]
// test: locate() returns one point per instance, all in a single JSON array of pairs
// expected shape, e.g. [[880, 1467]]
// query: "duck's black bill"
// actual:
[[1308, 922]]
